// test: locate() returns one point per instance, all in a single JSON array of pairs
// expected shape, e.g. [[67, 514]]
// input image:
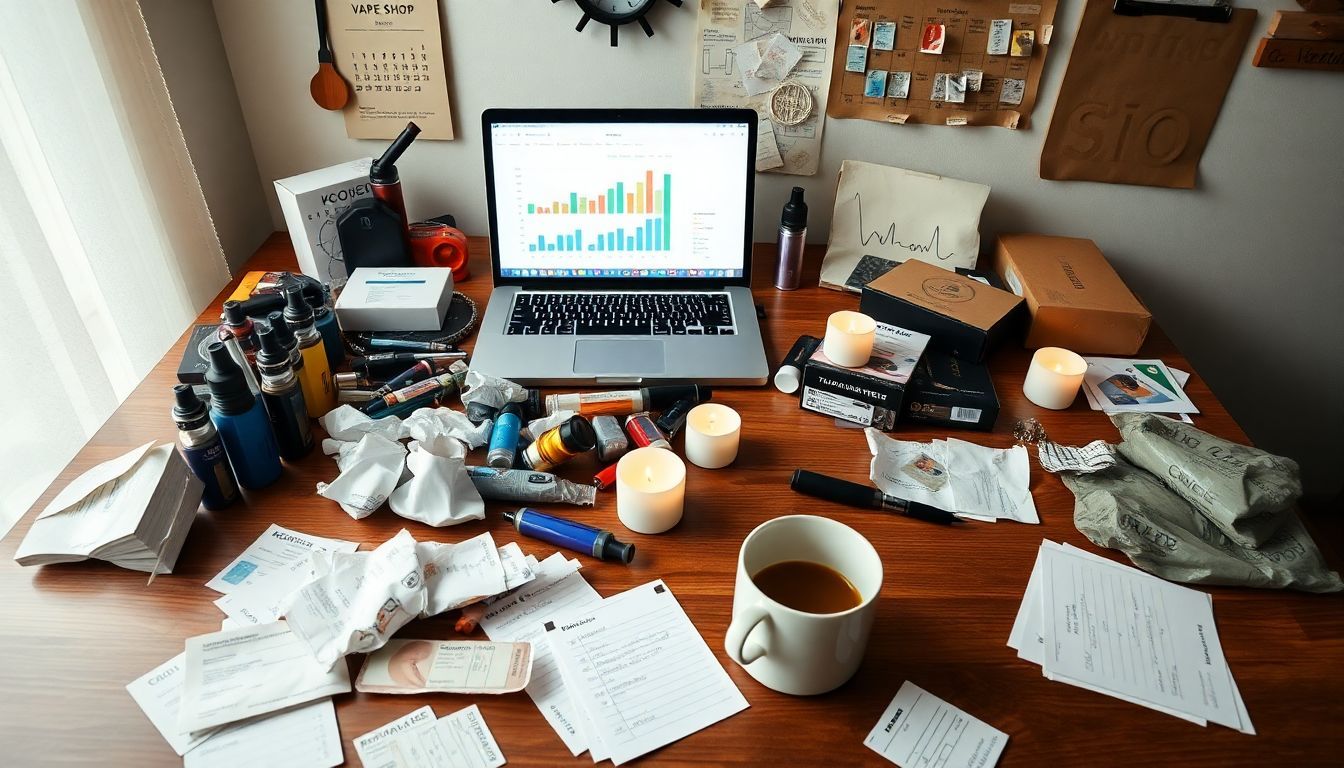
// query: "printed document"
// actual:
[[449, 666], [461, 740], [278, 553], [159, 694], [640, 671], [373, 747], [972, 481], [558, 588], [919, 729], [241, 673], [303, 737], [461, 573]]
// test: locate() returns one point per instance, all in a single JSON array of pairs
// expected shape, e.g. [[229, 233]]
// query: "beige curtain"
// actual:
[[107, 250]]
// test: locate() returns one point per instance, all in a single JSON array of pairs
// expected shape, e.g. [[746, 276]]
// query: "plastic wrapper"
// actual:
[[1238, 488], [528, 486], [491, 391], [428, 423], [538, 427], [349, 423], [1125, 508], [369, 473], [439, 492]]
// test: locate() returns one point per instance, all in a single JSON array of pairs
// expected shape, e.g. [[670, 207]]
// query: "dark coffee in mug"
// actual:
[[806, 586]]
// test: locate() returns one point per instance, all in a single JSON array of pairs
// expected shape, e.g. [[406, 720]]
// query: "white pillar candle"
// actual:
[[650, 489], [1054, 378], [712, 434], [849, 338]]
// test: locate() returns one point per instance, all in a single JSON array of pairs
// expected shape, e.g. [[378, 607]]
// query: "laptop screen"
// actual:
[[620, 199]]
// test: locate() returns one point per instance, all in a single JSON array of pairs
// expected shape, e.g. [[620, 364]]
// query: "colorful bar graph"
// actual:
[[639, 196]]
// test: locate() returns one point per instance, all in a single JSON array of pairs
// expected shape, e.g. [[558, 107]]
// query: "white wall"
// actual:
[[1241, 272]]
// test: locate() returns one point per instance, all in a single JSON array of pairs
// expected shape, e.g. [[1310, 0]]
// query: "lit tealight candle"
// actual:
[[1054, 378], [650, 489], [849, 338], [712, 435]]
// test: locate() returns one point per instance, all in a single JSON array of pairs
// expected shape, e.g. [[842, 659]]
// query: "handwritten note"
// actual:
[[919, 729], [1000, 37], [641, 671]]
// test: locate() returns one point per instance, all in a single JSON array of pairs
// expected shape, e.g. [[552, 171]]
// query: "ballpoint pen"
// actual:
[[858, 495]]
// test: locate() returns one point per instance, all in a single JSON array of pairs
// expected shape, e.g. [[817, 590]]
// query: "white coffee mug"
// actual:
[[794, 651]]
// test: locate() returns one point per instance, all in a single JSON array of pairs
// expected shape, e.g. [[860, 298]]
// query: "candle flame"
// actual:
[[648, 475]]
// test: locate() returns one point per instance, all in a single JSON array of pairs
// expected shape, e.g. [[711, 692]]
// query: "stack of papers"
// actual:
[[133, 511], [258, 581], [1114, 385], [1116, 630], [971, 481]]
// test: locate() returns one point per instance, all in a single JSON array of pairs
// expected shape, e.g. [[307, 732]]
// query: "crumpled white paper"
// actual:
[[427, 423], [439, 492], [538, 427], [358, 599], [349, 423], [491, 390], [369, 474], [461, 573]]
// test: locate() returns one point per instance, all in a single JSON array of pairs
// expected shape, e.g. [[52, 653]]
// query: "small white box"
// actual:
[[395, 299], [311, 203]]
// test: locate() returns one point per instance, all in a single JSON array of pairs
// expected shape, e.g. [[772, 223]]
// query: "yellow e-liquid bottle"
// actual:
[[319, 388]]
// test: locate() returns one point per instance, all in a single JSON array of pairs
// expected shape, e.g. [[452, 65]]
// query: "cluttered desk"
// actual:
[[452, 520]]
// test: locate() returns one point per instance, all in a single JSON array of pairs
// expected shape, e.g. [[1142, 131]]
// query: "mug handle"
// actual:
[[738, 631]]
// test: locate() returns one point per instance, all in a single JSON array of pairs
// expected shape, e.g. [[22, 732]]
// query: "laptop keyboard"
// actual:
[[623, 314]]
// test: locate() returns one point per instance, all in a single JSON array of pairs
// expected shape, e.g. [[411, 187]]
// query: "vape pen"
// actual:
[[857, 495], [790, 373], [792, 239], [570, 535]]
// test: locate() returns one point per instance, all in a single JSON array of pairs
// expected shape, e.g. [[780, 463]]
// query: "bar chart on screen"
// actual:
[[633, 216]]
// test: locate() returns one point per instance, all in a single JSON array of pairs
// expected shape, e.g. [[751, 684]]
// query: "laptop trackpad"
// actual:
[[618, 356]]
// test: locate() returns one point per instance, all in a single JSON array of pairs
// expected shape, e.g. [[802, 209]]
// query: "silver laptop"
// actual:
[[621, 247]]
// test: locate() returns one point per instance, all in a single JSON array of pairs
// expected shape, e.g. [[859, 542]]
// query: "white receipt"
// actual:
[[302, 737], [517, 617], [460, 740], [1095, 456], [767, 149], [971, 481], [372, 747], [159, 694], [919, 729], [241, 673], [641, 671], [278, 552]]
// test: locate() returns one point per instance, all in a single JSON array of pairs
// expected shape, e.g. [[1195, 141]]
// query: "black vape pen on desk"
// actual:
[[857, 495]]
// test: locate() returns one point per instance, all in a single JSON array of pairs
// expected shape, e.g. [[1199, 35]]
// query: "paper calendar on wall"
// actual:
[[392, 56], [960, 62]]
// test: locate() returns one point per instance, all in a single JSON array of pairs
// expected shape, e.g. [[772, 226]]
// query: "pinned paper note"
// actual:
[[956, 89], [860, 31], [898, 85], [767, 155], [1000, 37], [884, 35], [1013, 90], [938, 91], [875, 84], [974, 79], [1023, 40], [856, 58], [933, 38], [778, 59]]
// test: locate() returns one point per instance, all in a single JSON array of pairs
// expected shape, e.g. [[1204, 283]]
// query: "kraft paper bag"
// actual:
[[885, 215], [1140, 96]]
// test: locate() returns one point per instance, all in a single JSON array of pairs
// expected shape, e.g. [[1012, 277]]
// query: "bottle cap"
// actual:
[[229, 393], [795, 211], [273, 353], [615, 551], [188, 410], [577, 435], [514, 408], [384, 169], [787, 379], [234, 313], [297, 311], [276, 320]]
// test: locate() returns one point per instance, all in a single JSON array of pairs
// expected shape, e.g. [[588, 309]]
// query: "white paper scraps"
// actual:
[[348, 423], [461, 740], [1013, 91], [306, 736], [158, 692], [372, 747], [1113, 629], [767, 148], [956, 89], [425, 424], [778, 58], [276, 552], [938, 91], [1093, 457], [446, 666], [919, 729], [517, 566], [538, 427], [641, 671], [360, 602], [969, 480], [974, 79], [490, 390], [439, 492], [557, 589], [898, 85], [461, 573], [241, 673], [368, 476], [747, 57]]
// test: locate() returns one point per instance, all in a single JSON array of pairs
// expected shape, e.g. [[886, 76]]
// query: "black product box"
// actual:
[[949, 392], [870, 395], [195, 360], [964, 316]]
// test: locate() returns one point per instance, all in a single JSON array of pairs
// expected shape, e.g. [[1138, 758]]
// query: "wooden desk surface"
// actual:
[[75, 635]]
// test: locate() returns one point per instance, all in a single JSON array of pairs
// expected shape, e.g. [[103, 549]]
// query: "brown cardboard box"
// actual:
[[963, 316], [1076, 299]]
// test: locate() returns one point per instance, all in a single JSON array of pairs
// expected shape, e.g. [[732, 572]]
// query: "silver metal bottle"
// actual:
[[792, 240]]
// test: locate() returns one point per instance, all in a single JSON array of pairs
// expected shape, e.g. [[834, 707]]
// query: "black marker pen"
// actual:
[[857, 495]]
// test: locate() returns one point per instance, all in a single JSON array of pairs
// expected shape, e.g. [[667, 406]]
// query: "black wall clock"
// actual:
[[615, 13]]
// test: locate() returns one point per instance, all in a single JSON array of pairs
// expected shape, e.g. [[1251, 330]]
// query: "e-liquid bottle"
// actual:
[[319, 390], [504, 437], [238, 325], [325, 322], [200, 445], [792, 240], [560, 444], [241, 420], [283, 397]]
